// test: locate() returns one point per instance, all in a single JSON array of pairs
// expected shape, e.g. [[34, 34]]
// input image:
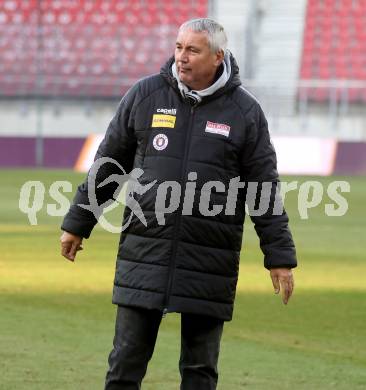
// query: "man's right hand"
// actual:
[[70, 244]]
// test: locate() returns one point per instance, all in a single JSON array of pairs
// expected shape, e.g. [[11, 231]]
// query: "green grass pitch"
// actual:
[[57, 320]]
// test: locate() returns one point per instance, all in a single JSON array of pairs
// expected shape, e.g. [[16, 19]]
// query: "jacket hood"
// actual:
[[231, 68]]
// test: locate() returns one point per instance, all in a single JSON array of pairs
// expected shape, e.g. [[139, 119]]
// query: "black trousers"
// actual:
[[134, 341]]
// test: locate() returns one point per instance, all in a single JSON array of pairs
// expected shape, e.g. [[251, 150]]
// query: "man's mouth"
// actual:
[[184, 70]]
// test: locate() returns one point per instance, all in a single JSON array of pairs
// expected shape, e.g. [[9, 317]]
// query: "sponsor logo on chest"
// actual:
[[217, 128], [162, 120], [168, 111], [165, 118]]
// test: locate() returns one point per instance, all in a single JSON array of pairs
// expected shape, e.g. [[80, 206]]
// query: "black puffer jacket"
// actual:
[[191, 263]]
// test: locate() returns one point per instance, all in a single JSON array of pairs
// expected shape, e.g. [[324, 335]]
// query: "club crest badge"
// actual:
[[160, 142]]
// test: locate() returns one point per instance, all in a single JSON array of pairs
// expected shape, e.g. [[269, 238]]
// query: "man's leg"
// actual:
[[133, 346], [200, 346]]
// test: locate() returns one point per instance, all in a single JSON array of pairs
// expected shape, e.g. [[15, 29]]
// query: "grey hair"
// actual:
[[216, 35]]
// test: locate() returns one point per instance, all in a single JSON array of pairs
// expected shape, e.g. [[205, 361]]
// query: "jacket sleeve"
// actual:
[[259, 165], [119, 144]]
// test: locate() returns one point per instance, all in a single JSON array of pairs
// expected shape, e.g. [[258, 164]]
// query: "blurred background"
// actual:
[[64, 66]]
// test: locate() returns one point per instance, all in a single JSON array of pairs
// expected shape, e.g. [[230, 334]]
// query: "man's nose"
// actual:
[[182, 56]]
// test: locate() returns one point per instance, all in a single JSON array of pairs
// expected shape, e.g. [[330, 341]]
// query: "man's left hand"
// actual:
[[283, 279]]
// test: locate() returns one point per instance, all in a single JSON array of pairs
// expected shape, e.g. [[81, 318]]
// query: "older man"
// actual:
[[195, 127]]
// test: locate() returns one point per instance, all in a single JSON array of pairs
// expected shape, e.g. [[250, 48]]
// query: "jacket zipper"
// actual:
[[179, 215]]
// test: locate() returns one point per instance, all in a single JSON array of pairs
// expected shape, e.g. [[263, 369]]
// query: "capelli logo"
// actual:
[[169, 111]]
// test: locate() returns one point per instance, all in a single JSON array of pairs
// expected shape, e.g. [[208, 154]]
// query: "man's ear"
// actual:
[[219, 57]]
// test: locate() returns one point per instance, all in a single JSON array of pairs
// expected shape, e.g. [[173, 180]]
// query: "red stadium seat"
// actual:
[[92, 48], [335, 35]]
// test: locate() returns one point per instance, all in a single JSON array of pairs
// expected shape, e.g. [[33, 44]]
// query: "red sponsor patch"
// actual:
[[217, 128]]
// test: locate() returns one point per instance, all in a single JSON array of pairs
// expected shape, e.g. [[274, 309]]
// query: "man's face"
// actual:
[[196, 63]]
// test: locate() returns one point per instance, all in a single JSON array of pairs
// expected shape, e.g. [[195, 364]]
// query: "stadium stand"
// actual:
[[334, 47], [87, 47]]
